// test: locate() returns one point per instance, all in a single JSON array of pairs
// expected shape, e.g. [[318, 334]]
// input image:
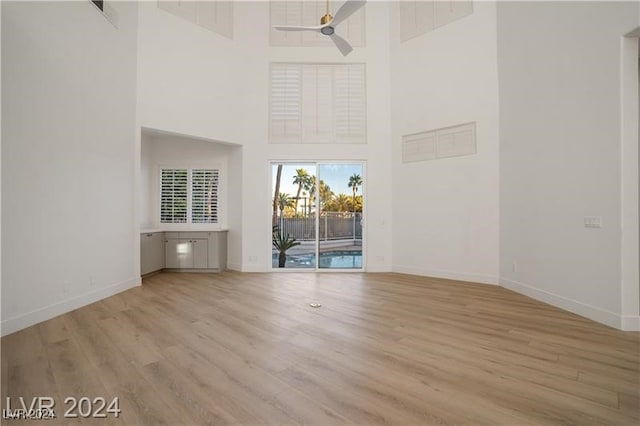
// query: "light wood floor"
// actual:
[[383, 348]]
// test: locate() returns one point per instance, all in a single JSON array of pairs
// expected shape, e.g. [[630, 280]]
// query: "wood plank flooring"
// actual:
[[236, 348]]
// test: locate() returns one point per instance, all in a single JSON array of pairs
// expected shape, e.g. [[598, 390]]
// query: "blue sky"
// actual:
[[334, 175]]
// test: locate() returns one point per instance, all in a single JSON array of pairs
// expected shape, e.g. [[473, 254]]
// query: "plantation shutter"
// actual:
[[204, 196], [318, 103], [349, 103], [285, 13], [173, 196], [286, 81]]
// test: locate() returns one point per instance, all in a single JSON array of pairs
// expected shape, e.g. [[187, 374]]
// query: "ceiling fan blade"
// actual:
[[343, 45], [296, 28], [347, 9]]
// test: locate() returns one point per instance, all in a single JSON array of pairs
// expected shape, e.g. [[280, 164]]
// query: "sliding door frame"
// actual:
[[317, 164]]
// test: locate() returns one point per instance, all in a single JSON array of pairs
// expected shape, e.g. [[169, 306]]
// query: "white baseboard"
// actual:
[[379, 268], [28, 319], [252, 268], [630, 323], [450, 275], [234, 266], [592, 312]]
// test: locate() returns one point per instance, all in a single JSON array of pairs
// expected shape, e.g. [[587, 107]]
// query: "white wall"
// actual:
[[560, 154], [68, 114], [630, 90], [234, 209], [187, 77], [196, 82], [0, 179], [445, 212]]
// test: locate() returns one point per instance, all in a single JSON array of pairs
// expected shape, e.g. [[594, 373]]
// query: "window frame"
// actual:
[[300, 137], [189, 224]]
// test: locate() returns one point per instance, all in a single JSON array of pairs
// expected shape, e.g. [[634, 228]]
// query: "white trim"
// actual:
[[588, 311], [630, 291], [1, 176], [34, 317], [450, 275], [376, 269], [234, 267], [630, 323], [252, 268]]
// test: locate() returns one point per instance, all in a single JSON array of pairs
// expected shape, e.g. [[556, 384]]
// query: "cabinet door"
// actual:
[[151, 252], [177, 253], [200, 253]]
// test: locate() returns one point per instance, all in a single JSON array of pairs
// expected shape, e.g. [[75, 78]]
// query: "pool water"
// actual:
[[332, 259]]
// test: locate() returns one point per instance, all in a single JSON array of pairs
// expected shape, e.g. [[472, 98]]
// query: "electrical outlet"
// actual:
[[379, 259], [253, 259], [514, 267]]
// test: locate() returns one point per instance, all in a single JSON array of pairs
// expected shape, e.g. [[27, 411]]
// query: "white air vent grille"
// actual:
[[214, 15], [418, 17], [451, 141]]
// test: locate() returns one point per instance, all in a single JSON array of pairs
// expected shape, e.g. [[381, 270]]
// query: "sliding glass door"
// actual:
[[340, 218], [316, 215]]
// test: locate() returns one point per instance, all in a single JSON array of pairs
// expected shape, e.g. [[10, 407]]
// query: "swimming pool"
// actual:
[[331, 259]]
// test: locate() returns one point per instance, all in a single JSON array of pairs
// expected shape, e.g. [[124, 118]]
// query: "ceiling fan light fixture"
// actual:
[[327, 30]]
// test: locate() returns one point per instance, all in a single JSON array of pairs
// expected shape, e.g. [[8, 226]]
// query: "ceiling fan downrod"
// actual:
[[327, 17]]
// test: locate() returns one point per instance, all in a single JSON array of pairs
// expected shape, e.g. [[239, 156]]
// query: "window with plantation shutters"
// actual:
[[317, 103], [204, 196], [173, 196], [308, 13], [189, 195], [286, 91]]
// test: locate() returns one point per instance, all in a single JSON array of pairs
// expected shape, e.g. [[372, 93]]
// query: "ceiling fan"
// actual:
[[329, 23]]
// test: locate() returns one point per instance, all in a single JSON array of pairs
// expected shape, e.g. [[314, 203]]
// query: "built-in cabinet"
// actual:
[[151, 252], [203, 251]]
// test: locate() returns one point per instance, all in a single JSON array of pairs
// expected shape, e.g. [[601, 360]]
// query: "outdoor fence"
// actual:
[[332, 226]]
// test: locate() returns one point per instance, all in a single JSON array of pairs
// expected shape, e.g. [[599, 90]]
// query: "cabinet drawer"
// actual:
[[193, 235]]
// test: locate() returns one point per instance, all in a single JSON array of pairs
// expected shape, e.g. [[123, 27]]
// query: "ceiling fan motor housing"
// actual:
[[327, 30]]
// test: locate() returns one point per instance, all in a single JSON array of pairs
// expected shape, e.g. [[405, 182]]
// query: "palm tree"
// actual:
[[283, 201], [357, 207], [277, 191], [354, 182], [341, 203], [312, 189], [303, 180], [326, 194]]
